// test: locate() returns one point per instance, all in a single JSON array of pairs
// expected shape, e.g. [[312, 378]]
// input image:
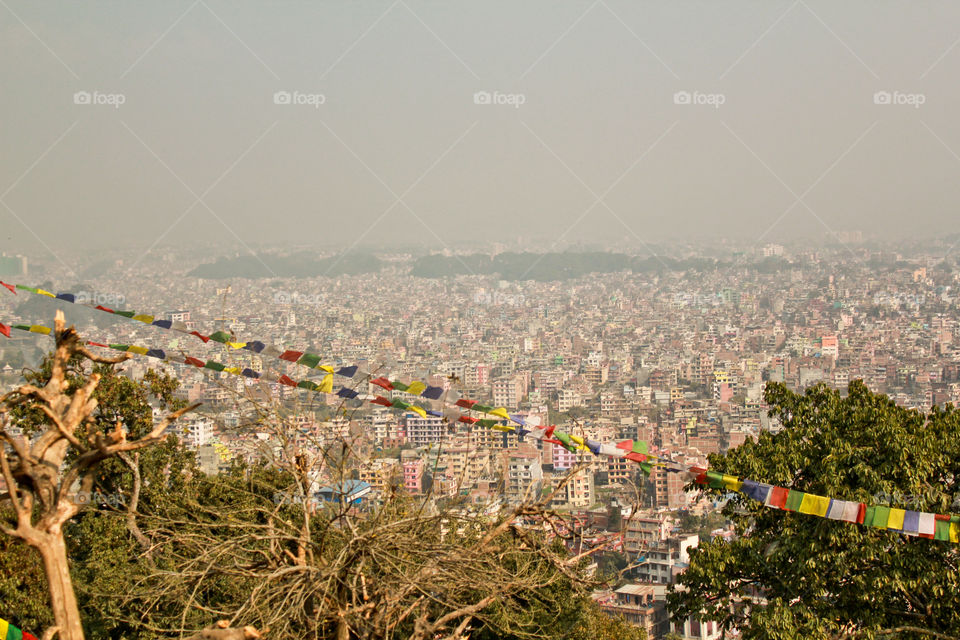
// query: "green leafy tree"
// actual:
[[791, 575]]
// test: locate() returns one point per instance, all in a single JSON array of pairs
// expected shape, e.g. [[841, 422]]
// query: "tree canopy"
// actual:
[[791, 575]]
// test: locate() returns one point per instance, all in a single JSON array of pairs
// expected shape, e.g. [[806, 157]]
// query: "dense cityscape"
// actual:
[[675, 358]]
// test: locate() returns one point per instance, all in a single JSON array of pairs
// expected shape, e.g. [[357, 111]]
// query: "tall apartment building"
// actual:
[[524, 477], [423, 431]]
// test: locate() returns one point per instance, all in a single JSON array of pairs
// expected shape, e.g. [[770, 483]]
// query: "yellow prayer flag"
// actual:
[[500, 412], [731, 482], [325, 367], [237, 345], [326, 386], [144, 318], [955, 532], [45, 293], [416, 388], [502, 427], [4, 625], [138, 350], [895, 521], [36, 328], [233, 370], [418, 410], [818, 505]]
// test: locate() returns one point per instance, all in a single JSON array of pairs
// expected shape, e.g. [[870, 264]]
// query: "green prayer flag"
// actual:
[[942, 531], [306, 384], [216, 366], [868, 516], [881, 515], [309, 360], [400, 404], [119, 347], [715, 478], [482, 407], [646, 467], [220, 336], [794, 500], [126, 314], [640, 446], [399, 385], [487, 422], [564, 438], [25, 327]]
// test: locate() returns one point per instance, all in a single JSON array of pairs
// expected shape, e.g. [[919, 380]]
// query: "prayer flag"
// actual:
[[216, 366], [466, 404], [399, 386], [419, 411], [911, 522], [756, 490], [250, 373], [382, 382], [287, 381], [347, 393], [434, 393], [12, 288], [4, 329], [194, 361], [256, 346], [289, 356], [69, 297], [416, 388], [895, 521], [156, 353], [347, 372], [163, 324], [814, 505], [326, 386], [309, 360], [501, 412], [777, 498], [143, 318], [794, 500]]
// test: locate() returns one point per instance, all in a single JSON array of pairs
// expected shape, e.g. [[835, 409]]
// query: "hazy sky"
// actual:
[[788, 139]]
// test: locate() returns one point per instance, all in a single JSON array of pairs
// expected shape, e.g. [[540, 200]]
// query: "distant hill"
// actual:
[[299, 265]]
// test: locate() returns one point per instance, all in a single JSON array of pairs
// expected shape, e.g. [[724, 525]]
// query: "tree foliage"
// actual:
[[791, 575]]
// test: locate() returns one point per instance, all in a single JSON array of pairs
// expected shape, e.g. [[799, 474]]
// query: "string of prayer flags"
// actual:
[[885, 517]]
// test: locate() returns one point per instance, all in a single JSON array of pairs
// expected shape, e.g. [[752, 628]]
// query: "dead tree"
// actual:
[[41, 470]]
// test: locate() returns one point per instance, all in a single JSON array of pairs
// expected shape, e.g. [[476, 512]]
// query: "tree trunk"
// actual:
[[63, 601]]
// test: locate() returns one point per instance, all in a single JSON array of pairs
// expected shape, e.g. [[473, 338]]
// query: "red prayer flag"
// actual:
[[97, 344], [382, 382], [195, 362], [861, 513], [636, 457], [291, 356], [103, 308], [200, 335], [287, 381], [702, 478], [549, 433], [466, 419], [381, 401], [466, 403], [778, 497], [12, 288], [5, 329]]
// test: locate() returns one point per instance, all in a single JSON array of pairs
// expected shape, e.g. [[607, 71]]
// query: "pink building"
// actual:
[[413, 476]]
